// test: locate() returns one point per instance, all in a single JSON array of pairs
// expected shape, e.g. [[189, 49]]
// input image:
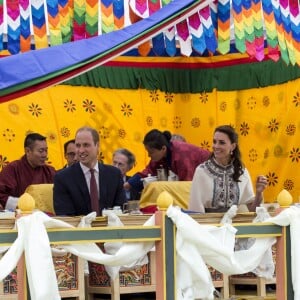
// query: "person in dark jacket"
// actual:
[[125, 161], [71, 193]]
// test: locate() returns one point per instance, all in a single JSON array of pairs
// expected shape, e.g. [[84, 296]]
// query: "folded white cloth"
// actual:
[[196, 244], [211, 245], [113, 247], [33, 240], [291, 216]]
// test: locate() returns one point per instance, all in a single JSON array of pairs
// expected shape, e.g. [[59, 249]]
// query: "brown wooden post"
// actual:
[[23, 290]]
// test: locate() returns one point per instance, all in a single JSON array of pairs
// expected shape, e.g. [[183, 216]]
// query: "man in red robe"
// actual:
[[30, 169]]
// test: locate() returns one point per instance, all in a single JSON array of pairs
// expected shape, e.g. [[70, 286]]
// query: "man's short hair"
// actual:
[[67, 143], [93, 132], [31, 138], [130, 156]]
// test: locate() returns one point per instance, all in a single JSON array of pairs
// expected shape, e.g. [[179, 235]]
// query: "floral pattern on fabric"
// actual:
[[226, 190]]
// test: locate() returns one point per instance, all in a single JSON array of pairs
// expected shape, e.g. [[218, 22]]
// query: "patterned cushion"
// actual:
[[43, 196], [138, 276]]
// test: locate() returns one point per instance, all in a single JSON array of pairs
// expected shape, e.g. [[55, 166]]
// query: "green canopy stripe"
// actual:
[[189, 80]]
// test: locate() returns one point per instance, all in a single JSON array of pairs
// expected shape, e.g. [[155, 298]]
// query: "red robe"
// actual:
[[182, 159], [19, 174]]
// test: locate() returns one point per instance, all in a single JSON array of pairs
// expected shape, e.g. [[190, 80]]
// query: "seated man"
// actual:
[[70, 153], [30, 169], [125, 161], [87, 185]]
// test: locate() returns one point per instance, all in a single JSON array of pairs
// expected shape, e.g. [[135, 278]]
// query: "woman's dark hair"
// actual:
[[238, 165], [156, 139]]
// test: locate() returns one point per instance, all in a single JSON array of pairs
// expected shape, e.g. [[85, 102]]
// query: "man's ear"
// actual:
[[26, 149]]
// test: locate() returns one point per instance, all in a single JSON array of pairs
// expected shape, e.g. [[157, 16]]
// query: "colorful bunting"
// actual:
[[196, 30], [208, 30], [258, 27], [134, 14], [39, 24], [169, 35], [165, 2], [107, 16], [25, 35], [183, 38], [249, 27], [54, 23], [91, 18], [286, 22], [158, 42], [295, 23], [79, 20], [66, 12], [238, 21], [1, 24], [153, 6], [270, 28], [119, 14], [170, 41], [258, 30], [224, 26], [141, 6], [280, 32], [13, 26], [214, 13]]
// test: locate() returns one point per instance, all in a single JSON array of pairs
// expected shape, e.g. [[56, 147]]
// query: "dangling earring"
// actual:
[[231, 153]]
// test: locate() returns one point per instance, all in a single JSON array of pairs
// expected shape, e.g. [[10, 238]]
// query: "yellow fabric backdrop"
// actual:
[[267, 120]]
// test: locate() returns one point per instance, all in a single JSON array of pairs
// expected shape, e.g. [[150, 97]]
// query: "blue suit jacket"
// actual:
[[71, 194]]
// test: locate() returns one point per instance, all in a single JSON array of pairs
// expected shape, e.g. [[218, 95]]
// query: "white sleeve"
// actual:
[[196, 203], [11, 203], [247, 192]]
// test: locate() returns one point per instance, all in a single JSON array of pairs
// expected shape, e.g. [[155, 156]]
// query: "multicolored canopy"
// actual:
[[70, 37]]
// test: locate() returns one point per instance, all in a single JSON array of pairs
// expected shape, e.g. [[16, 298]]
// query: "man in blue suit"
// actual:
[[71, 193], [124, 160]]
